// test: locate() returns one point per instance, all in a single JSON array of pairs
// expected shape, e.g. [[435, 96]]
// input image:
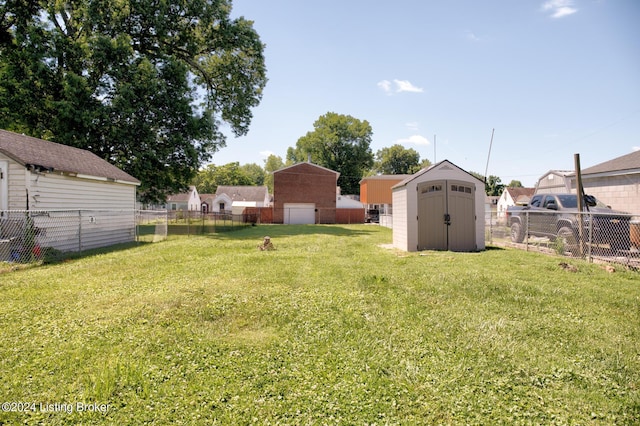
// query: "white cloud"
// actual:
[[266, 154], [472, 37], [398, 86], [385, 85], [414, 139], [406, 86], [559, 8], [413, 125]]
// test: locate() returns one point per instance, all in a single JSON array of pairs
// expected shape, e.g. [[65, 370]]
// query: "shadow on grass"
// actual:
[[56, 257]]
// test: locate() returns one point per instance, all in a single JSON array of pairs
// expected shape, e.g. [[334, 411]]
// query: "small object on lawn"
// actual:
[[266, 244], [568, 267], [610, 269]]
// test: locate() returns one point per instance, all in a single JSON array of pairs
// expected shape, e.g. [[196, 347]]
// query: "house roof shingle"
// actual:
[[243, 193], [28, 150], [384, 177], [516, 193], [182, 197], [626, 162]]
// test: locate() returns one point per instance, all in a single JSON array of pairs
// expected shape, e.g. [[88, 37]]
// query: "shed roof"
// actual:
[[243, 193], [427, 170], [628, 162], [30, 151]]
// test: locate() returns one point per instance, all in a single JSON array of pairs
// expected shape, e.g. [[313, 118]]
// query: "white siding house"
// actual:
[[62, 188], [513, 197], [237, 198], [189, 200]]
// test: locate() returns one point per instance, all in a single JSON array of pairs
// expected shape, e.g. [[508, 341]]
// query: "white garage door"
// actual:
[[299, 213]]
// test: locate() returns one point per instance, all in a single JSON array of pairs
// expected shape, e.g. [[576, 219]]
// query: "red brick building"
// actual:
[[304, 193]]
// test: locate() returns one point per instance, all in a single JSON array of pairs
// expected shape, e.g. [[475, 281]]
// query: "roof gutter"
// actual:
[[103, 179]]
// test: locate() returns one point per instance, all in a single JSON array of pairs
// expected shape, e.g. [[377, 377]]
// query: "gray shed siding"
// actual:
[[399, 224]]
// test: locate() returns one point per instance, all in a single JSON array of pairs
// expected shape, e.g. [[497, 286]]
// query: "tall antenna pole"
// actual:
[[434, 149], [486, 170]]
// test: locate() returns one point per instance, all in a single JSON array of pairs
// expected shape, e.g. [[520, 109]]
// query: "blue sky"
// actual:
[[553, 78]]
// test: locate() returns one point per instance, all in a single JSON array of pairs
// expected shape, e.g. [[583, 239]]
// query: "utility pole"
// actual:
[[580, 198]]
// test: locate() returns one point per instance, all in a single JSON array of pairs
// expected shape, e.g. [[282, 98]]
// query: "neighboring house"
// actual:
[[441, 207], [348, 209], [189, 200], [56, 183], [616, 182], [555, 182], [348, 202], [237, 198], [513, 197], [206, 203], [375, 194], [304, 193]]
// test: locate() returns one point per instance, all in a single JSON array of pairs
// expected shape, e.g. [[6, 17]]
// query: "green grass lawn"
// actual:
[[330, 328]]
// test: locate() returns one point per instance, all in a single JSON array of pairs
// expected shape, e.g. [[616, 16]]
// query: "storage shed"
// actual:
[[72, 199], [439, 208]]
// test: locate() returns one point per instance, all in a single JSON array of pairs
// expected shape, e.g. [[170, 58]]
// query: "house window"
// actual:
[[221, 207], [173, 206]]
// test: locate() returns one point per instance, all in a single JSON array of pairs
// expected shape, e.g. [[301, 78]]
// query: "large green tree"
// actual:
[[271, 164], [341, 143], [493, 185], [397, 160], [209, 178], [145, 84]]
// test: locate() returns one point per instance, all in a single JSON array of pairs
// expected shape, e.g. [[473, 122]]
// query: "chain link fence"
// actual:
[[27, 236], [152, 226], [37, 235], [191, 222], [612, 237], [33, 235]]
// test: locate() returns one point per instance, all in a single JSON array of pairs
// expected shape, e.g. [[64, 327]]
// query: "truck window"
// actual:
[[568, 201], [549, 199], [535, 201]]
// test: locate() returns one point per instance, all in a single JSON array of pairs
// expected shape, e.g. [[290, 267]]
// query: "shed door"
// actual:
[[446, 216], [4, 179], [299, 213], [432, 206]]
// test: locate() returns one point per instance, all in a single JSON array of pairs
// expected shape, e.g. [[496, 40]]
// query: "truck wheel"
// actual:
[[567, 237], [517, 236]]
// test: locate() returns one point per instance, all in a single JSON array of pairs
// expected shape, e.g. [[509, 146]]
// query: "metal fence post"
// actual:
[[79, 230], [526, 231], [590, 237]]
